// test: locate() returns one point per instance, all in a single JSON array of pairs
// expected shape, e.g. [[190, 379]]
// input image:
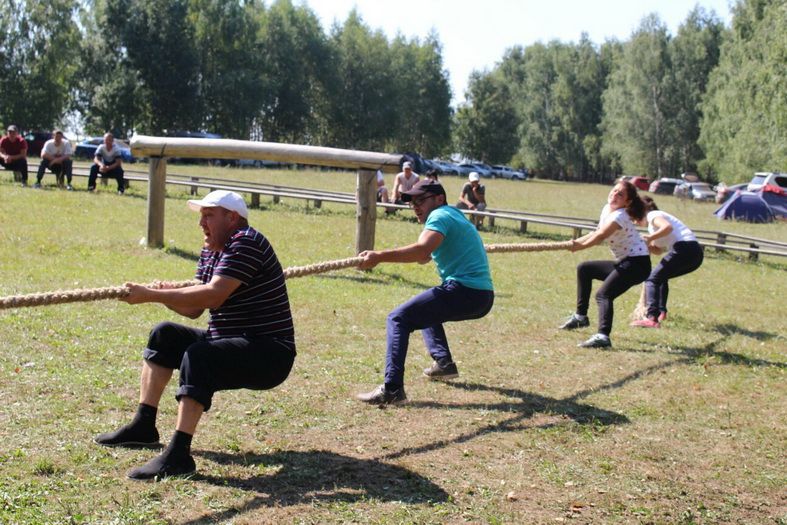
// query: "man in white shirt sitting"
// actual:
[[56, 157]]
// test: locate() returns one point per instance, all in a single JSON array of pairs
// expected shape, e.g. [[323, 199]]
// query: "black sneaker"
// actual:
[[129, 436], [381, 396], [91, 188], [441, 373], [164, 466], [574, 322], [597, 341]]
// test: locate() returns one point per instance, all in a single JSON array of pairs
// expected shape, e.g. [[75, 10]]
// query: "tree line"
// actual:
[[710, 99]]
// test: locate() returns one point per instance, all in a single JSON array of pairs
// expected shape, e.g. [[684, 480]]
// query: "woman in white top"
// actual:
[[666, 234], [630, 267]]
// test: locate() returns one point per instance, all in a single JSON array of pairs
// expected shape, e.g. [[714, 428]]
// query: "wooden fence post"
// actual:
[[754, 256], [157, 192], [194, 189], [721, 238], [366, 210], [523, 226], [255, 200]]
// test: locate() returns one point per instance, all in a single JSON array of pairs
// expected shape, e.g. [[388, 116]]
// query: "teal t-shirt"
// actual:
[[461, 256]]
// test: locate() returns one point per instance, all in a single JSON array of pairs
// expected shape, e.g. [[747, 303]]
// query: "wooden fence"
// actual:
[[720, 241]]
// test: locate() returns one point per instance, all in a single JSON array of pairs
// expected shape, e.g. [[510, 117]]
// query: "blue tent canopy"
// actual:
[[746, 206]]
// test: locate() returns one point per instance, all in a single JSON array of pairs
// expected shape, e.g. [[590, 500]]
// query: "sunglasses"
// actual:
[[418, 202]]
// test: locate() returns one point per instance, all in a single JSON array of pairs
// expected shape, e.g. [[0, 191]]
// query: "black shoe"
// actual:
[[574, 322], [597, 341], [381, 396], [91, 188], [441, 373], [129, 436], [163, 466]]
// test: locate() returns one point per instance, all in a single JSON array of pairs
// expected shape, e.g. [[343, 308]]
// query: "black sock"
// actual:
[[145, 416], [180, 444]]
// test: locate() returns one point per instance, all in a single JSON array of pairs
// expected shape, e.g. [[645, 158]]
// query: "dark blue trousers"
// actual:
[[427, 312], [683, 258]]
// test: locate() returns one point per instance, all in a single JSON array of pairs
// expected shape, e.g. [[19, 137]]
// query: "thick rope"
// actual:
[[117, 292]]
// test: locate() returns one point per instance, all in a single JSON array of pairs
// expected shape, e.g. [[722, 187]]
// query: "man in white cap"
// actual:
[[249, 343], [404, 181], [473, 197]]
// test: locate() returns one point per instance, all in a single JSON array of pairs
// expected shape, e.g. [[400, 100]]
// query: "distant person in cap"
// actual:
[[473, 197], [56, 157], [404, 181], [249, 343], [382, 191], [13, 152], [466, 291], [107, 162]]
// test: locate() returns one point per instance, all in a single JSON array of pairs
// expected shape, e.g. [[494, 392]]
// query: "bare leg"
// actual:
[[189, 414], [152, 382]]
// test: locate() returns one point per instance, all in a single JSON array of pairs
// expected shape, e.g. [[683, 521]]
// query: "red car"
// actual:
[[641, 183]]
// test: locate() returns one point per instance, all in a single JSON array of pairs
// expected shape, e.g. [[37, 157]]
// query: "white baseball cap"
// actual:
[[407, 164], [473, 177], [229, 200]]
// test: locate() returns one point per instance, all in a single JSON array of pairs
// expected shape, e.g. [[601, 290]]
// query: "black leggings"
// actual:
[[617, 276], [683, 258]]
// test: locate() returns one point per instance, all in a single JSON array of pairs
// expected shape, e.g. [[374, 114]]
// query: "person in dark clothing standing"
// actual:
[[249, 342]]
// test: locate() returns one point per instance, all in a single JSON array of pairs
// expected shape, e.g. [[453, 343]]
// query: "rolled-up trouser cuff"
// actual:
[[200, 395], [161, 358]]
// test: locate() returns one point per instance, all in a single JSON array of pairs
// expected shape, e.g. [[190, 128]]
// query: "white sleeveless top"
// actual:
[[680, 232], [625, 242]]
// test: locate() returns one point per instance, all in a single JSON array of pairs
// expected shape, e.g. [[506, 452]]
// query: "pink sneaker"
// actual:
[[662, 316], [646, 323]]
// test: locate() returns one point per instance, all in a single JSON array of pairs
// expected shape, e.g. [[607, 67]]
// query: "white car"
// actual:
[[698, 191], [761, 180], [509, 173]]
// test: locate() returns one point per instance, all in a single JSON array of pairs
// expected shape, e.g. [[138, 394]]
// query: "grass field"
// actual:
[[680, 425]]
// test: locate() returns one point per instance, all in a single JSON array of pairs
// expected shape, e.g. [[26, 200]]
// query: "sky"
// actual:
[[476, 34]]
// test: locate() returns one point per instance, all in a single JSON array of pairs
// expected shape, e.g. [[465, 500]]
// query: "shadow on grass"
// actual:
[[693, 353], [728, 329], [183, 254], [317, 476], [525, 405], [381, 278]]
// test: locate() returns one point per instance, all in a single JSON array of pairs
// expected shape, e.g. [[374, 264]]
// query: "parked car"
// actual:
[[664, 185], [35, 142], [482, 169], [724, 192], [761, 180], [641, 183], [87, 149], [507, 172], [698, 191], [447, 168]]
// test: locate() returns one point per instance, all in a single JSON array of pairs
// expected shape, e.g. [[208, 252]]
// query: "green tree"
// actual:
[[486, 124], [35, 58], [359, 88], [231, 86], [639, 101], [695, 52], [422, 122], [744, 124], [294, 57]]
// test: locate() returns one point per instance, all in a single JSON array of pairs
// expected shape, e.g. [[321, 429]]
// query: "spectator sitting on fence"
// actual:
[[13, 152], [404, 181], [108, 163], [473, 197], [56, 157]]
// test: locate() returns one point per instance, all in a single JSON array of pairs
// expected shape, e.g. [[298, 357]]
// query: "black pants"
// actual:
[[19, 165], [683, 258], [617, 276], [210, 365], [116, 173], [59, 169]]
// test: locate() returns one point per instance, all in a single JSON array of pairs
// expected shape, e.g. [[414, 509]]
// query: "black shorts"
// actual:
[[210, 365]]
